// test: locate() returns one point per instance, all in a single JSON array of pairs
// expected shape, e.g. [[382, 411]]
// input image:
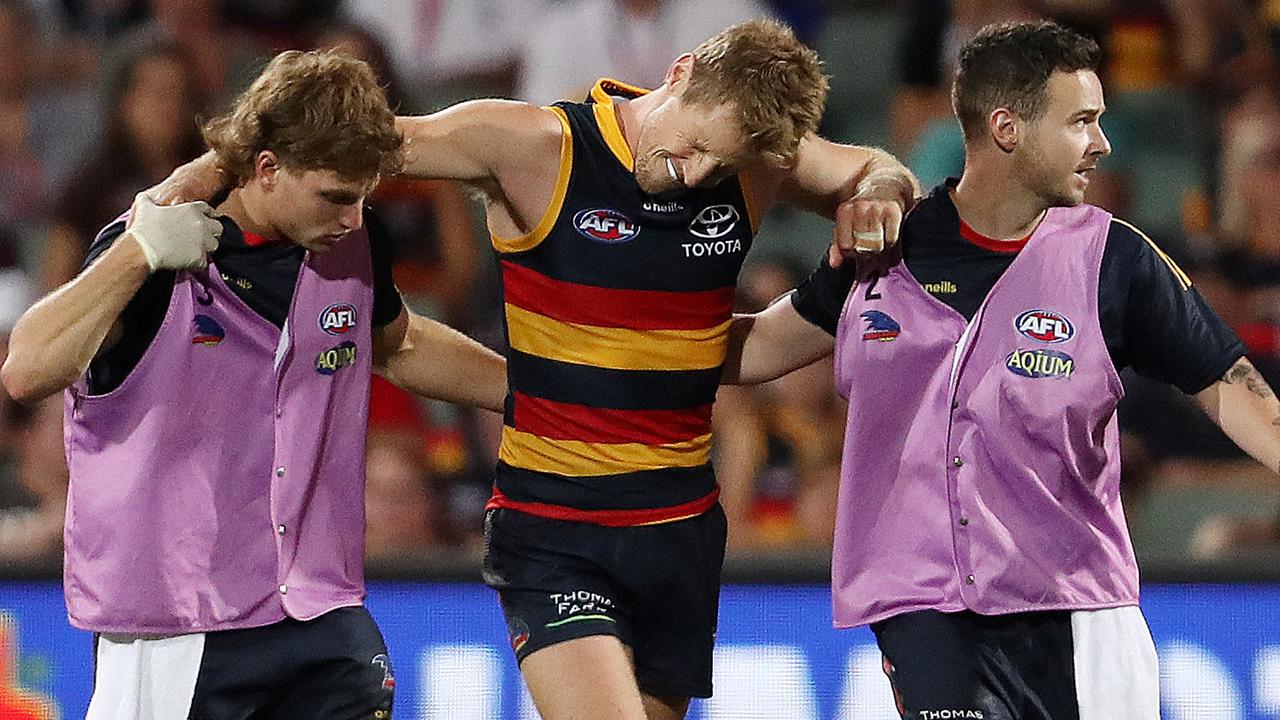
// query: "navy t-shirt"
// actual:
[[1152, 319], [263, 276]]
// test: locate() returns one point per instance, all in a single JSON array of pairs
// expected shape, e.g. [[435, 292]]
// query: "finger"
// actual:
[[842, 236], [892, 223], [869, 241], [835, 258], [204, 207]]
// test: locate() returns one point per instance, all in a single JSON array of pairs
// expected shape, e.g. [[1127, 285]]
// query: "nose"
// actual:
[[1100, 145], [352, 217]]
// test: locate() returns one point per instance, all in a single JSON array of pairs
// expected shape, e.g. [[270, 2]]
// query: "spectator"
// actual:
[[150, 129], [575, 42], [778, 445]]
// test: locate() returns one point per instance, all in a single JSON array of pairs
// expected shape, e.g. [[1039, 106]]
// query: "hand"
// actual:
[[865, 226], [199, 179], [174, 237]]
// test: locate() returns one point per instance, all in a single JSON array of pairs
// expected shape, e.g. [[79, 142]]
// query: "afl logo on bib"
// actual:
[[714, 222], [605, 225], [1045, 325], [338, 319]]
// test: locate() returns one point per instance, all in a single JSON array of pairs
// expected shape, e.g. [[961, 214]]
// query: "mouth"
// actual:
[[671, 170], [1082, 174]]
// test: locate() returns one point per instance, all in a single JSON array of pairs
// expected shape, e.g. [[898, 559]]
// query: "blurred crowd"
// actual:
[[99, 99]]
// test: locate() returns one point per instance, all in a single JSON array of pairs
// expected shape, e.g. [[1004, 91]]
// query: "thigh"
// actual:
[[586, 677], [939, 666], [340, 670], [672, 576], [551, 581]]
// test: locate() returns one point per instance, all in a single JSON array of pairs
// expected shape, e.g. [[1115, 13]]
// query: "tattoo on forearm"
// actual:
[[1244, 371]]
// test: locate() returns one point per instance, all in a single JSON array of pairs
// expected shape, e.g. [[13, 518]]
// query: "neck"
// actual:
[[246, 205], [992, 201], [631, 113]]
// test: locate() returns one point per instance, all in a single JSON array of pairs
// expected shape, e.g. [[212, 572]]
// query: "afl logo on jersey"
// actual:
[[1045, 325], [605, 225], [338, 319], [714, 221]]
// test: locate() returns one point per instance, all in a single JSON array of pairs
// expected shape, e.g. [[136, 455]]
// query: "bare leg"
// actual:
[[588, 678], [664, 708]]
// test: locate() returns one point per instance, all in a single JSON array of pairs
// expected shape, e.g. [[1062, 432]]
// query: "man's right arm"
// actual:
[[54, 341], [797, 329]]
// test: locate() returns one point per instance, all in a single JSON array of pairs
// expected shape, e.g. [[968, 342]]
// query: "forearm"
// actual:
[[828, 174], [885, 178], [436, 361], [770, 344], [1246, 409], [54, 341]]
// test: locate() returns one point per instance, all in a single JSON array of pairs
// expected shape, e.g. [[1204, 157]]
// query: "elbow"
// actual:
[[24, 383]]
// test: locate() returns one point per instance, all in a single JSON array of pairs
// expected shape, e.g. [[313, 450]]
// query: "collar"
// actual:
[[601, 99]]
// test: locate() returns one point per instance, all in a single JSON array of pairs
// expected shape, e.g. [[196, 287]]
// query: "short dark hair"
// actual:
[[1007, 65]]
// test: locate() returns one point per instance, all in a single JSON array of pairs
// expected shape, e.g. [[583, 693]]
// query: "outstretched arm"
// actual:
[[1245, 407], [771, 343], [433, 360]]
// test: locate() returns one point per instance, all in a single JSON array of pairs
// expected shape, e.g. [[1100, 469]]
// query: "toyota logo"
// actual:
[[714, 222]]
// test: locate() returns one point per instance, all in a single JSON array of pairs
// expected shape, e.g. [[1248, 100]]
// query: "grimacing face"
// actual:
[[1066, 142], [682, 145], [316, 208]]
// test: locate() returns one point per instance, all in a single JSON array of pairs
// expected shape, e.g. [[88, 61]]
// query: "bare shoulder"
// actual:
[[479, 139]]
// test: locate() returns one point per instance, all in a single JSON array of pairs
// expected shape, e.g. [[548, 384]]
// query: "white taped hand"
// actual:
[[174, 237]]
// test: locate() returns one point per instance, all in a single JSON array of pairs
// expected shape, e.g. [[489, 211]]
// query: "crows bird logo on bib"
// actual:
[[880, 326], [1046, 326]]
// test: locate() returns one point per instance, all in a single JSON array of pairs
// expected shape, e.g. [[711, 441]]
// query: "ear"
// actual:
[[1005, 128], [266, 166], [678, 74]]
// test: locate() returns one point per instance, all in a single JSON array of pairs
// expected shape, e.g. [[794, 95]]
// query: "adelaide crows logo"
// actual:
[[208, 331], [880, 326]]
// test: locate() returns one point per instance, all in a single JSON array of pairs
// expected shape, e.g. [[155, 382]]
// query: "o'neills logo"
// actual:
[[605, 225], [1045, 325], [1040, 363]]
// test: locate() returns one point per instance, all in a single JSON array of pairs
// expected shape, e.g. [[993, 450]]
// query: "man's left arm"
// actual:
[[434, 360], [864, 190], [1245, 407]]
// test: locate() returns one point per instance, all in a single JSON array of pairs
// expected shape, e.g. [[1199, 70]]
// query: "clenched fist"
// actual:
[[174, 237]]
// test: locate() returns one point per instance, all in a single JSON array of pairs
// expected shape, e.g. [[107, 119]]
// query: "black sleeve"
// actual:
[[140, 320], [387, 303], [820, 298], [1155, 321]]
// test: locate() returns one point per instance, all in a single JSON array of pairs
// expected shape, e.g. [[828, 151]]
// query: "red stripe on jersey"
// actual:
[[608, 307], [567, 421], [608, 518]]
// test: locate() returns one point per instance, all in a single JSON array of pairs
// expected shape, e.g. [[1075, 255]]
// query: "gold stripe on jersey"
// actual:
[[608, 121], [548, 220], [616, 348], [1182, 277], [575, 458]]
